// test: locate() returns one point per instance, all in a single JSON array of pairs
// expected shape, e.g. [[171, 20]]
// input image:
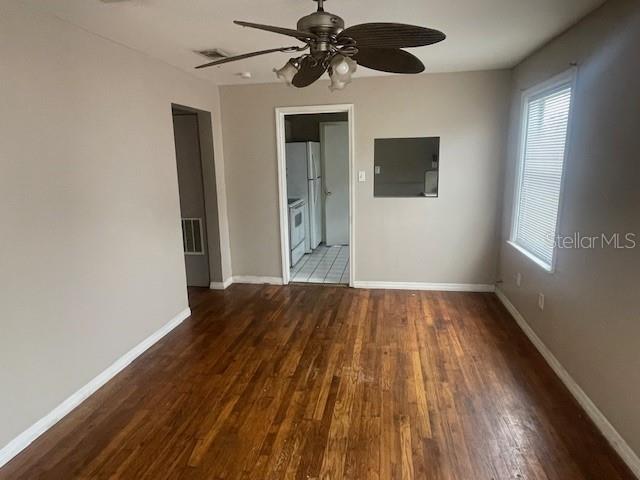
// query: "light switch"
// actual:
[[541, 301], [377, 169], [362, 176]]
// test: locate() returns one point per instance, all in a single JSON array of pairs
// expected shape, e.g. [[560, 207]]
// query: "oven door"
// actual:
[[296, 226]]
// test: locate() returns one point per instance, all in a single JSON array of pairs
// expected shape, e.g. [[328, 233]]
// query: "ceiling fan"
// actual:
[[339, 50]]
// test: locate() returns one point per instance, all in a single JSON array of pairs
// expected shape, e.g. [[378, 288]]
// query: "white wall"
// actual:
[[452, 239], [590, 321], [90, 243]]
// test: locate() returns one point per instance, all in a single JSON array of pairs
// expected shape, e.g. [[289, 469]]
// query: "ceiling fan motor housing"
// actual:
[[325, 25]]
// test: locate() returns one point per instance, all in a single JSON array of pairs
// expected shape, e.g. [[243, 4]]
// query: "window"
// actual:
[[545, 123]]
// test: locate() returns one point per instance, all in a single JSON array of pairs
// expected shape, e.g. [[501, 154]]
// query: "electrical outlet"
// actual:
[[541, 301], [518, 279], [378, 170], [362, 176]]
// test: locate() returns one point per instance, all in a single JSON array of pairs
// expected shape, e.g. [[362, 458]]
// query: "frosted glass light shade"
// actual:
[[340, 72], [287, 72], [336, 84]]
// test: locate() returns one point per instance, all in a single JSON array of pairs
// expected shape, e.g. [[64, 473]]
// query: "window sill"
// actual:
[[545, 266]]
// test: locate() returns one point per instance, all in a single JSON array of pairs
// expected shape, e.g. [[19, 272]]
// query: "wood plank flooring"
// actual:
[[315, 382]]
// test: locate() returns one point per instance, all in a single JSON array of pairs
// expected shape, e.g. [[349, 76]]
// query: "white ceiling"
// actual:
[[481, 34]]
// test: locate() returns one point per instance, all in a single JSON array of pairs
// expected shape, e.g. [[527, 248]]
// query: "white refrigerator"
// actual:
[[304, 180]]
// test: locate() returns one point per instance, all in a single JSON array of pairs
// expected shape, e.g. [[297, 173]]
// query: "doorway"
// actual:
[[315, 158], [198, 198]]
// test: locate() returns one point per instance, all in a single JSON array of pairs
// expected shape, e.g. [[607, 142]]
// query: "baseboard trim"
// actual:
[[610, 433], [442, 287], [257, 280], [221, 285], [15, 446], [249, 279]]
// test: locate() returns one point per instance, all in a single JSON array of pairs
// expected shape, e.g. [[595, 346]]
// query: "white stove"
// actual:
[[297, 212]]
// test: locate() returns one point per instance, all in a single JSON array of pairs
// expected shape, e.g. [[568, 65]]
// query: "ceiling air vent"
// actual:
[[213, 54]]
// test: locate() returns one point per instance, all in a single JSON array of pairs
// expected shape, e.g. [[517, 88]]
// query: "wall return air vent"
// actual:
[[192, 238]]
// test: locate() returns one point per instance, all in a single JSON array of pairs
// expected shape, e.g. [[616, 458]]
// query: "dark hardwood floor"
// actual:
[[314, 382]]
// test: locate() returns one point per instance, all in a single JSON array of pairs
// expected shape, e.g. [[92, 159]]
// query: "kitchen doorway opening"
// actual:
[[193, 137], [316, 193]]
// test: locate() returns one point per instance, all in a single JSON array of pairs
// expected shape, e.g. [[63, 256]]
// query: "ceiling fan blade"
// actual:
[[391, 35], [299, 34], [247, 55], [311, 70], [392, 60]]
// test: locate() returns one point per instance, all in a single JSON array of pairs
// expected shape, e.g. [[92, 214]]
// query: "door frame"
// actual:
[[212, 213], [281, 113]]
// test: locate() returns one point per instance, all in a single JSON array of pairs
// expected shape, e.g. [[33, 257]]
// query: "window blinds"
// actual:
[[545, 136]]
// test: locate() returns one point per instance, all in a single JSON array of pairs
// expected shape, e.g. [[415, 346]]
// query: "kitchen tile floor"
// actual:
[[323, 265]]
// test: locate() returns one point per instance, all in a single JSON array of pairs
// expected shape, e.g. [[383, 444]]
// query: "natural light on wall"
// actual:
[[538, 188]]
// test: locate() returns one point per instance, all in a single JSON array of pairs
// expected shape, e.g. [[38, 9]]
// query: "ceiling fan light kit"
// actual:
[[289, 71], [340, 71], [339, 50]]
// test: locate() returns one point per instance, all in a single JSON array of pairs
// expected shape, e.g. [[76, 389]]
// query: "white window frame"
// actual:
[[567, 77]]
